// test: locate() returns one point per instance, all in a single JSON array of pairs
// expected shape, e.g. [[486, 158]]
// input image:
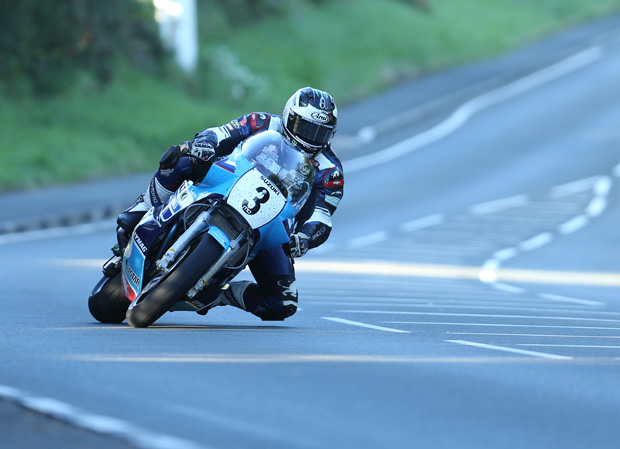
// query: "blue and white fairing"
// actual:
[[264, 179]]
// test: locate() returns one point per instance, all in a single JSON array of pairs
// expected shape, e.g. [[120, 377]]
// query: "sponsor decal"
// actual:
[[334, 201], [320, 116], [227, 165], [333, 178], [133, 276], [258, 121], [273, 188], [140, 243], [243, 121]]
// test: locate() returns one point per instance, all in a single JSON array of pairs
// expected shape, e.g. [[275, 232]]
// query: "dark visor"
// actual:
[[311, 133]]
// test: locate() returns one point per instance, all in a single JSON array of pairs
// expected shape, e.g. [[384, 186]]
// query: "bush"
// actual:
[[45, 44]]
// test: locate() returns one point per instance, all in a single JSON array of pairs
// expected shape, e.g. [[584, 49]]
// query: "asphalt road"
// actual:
[[467, 298]]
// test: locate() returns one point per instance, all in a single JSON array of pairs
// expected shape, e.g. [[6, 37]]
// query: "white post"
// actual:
[[179, 30]]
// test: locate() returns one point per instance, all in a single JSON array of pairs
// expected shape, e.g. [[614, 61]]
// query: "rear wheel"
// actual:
[[173, 287], [107, 303]]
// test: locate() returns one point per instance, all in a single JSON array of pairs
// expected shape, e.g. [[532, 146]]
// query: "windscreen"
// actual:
[[289, 169]]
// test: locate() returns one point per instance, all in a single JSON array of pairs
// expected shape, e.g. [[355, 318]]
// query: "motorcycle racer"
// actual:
[[309, 122]]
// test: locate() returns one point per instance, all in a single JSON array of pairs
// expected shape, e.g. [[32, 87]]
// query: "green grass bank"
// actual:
[[351, 48]]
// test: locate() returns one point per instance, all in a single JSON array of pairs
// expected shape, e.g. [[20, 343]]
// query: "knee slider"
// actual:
[[281, 304]]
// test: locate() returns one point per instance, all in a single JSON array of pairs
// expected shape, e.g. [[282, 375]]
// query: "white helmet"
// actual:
[[309, 119]]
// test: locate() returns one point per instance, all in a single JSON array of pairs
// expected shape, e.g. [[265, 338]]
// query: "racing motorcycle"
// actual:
[[182, 254]]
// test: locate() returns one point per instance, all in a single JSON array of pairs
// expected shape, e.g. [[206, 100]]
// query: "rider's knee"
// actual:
[[281, 304]]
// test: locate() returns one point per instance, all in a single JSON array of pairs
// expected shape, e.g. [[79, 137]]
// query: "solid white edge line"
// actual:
[[102, 425], [49, 233], [369, 326], [513, 350], [466, 111]]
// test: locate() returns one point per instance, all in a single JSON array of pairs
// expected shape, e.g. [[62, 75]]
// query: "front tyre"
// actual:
[[172, 288], [107, 303]]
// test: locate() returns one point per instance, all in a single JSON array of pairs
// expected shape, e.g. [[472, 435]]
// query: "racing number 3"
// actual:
[[253, 206]]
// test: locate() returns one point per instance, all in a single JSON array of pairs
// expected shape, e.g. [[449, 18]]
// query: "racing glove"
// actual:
[[298, 245], [202, 150]]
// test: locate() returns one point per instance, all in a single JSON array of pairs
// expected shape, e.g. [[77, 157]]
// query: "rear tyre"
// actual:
[[107, 303], [172, 288]]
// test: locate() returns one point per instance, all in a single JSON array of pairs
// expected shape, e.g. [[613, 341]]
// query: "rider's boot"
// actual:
[[127, 221], [232, 295]]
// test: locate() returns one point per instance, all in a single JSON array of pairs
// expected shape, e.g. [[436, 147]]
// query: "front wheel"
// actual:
[[107, 303], [173, 287]]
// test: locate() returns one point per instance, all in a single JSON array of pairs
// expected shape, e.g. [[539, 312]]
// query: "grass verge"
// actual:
[[352, 48]]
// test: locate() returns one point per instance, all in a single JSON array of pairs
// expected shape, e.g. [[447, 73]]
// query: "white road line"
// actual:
[[421, 223], [596, 206], [369, 326], [571, 188], [69, 231], [574, 346], [513, 350], [527, 326], [559, 298], [488, 271], [497, 334], [370, 239], [478, 315], [603, 186], [486, 307], [505, 254], [507, 288], [536, 242], [574, 224], [135, 436], [498, 205], [466, 111]]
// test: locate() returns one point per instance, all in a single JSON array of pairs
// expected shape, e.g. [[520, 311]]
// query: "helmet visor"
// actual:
[[310, 133]]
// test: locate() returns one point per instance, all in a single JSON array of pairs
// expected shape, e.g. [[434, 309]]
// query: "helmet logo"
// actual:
[[320, 116]]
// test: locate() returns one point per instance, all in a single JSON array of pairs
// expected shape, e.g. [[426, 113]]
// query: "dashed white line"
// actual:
[[573, 187], [499, 205], [596, 206], [559, 298], [513, 350], [505, 254], [507, 288], [498, 334], [574, 224], [482, 315], [572, 346], [536, 242], [421, 223], [527, 326], [369, 326], [370, 239]]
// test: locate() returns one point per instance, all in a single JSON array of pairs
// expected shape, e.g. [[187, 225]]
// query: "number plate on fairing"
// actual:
[[257, 199]]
